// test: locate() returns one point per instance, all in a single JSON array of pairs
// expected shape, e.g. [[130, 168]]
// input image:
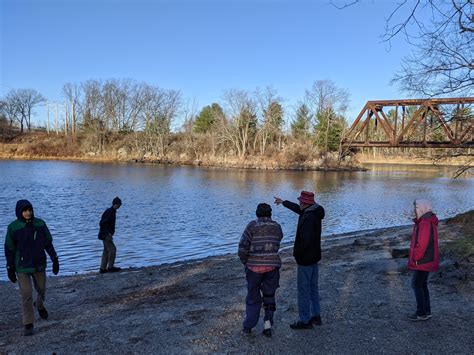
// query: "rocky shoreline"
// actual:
[[198, 307]]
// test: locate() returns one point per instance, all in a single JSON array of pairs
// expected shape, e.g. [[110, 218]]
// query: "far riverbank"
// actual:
[[252, 163], [122, 148]]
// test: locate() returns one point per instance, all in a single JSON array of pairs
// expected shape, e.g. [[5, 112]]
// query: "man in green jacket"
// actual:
[[26, 241]]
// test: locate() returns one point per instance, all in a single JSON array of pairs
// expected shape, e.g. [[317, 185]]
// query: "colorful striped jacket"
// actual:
[[260, 243]]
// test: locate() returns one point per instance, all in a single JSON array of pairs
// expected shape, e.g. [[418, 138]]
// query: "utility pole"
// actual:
[[73, 121], [47, 110], [57, 128], [65, 120]]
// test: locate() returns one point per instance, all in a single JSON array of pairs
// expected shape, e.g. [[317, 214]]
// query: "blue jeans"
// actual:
[[261, 287], [308, 293], [419, 283]]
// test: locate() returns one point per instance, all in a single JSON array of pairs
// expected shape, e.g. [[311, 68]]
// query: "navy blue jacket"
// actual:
[[107, 223]]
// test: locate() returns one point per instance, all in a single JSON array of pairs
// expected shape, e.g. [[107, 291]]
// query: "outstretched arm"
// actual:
[[290, 205]]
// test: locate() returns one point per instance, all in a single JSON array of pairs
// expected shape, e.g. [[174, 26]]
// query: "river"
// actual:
[[172, 213]]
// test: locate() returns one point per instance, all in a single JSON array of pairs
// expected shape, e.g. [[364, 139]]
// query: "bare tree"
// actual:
[[72, 94], [93, 105], [93, 111], [160, 108], [21, 104], [329, 104], [272, 118], [123, 103], [442, 62], [6, 121], [243, 120], [10, 109]]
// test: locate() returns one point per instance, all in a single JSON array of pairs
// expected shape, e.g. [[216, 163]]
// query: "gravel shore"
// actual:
[[198, 307]]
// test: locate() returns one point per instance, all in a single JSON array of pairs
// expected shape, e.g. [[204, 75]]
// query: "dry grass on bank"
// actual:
[[119, 147]]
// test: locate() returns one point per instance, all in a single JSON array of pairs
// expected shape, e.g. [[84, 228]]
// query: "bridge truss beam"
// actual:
[[420, 123]]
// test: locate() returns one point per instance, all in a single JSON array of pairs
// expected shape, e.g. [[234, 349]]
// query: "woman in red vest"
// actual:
[[424, 256]]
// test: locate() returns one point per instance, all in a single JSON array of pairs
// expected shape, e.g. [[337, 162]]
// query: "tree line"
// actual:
[[242, 123]]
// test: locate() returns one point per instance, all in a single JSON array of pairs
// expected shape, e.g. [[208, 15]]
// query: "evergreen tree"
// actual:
[[328, 130], [301, 125], [207, 117]]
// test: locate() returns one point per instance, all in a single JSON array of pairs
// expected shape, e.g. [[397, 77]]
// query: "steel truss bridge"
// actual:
[[418, 123]]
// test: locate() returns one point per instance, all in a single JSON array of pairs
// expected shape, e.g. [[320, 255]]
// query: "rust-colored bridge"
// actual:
[[423, 123]]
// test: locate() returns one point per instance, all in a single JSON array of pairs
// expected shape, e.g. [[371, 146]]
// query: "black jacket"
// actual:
[[307, 247], [107, 223]]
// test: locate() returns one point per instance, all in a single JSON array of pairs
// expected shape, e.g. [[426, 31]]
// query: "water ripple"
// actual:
[[175, 213]]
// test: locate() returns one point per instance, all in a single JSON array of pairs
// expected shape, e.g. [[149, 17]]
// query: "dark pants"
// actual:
[[419, 283], [260, 287]]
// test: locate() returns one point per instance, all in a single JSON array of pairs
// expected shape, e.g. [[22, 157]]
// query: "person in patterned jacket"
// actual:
[[258, 251]]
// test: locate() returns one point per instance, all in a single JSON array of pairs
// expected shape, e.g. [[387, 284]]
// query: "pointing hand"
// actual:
[[278, 201]]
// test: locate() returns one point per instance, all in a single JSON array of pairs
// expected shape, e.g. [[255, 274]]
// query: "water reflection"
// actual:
[[176, 213]]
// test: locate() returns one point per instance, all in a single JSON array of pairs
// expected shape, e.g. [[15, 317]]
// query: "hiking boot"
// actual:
[[246, 331], [416, 318], [113, 269], [102, 271], [316, 320], [267, 328], [301, 325], [28, 330], [42, 312]]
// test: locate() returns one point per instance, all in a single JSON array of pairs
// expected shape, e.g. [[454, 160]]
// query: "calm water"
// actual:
[[178, 213]]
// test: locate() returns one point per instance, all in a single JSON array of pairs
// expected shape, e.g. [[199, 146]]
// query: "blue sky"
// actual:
[[201, 48]]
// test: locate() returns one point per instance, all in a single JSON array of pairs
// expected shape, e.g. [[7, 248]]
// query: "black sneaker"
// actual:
[[416, 318], [267, 332], [42, 312], [428, 315], [113, 269], [28, 330], [102, 271], [316, 320], [246, 331], [301, 325]]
